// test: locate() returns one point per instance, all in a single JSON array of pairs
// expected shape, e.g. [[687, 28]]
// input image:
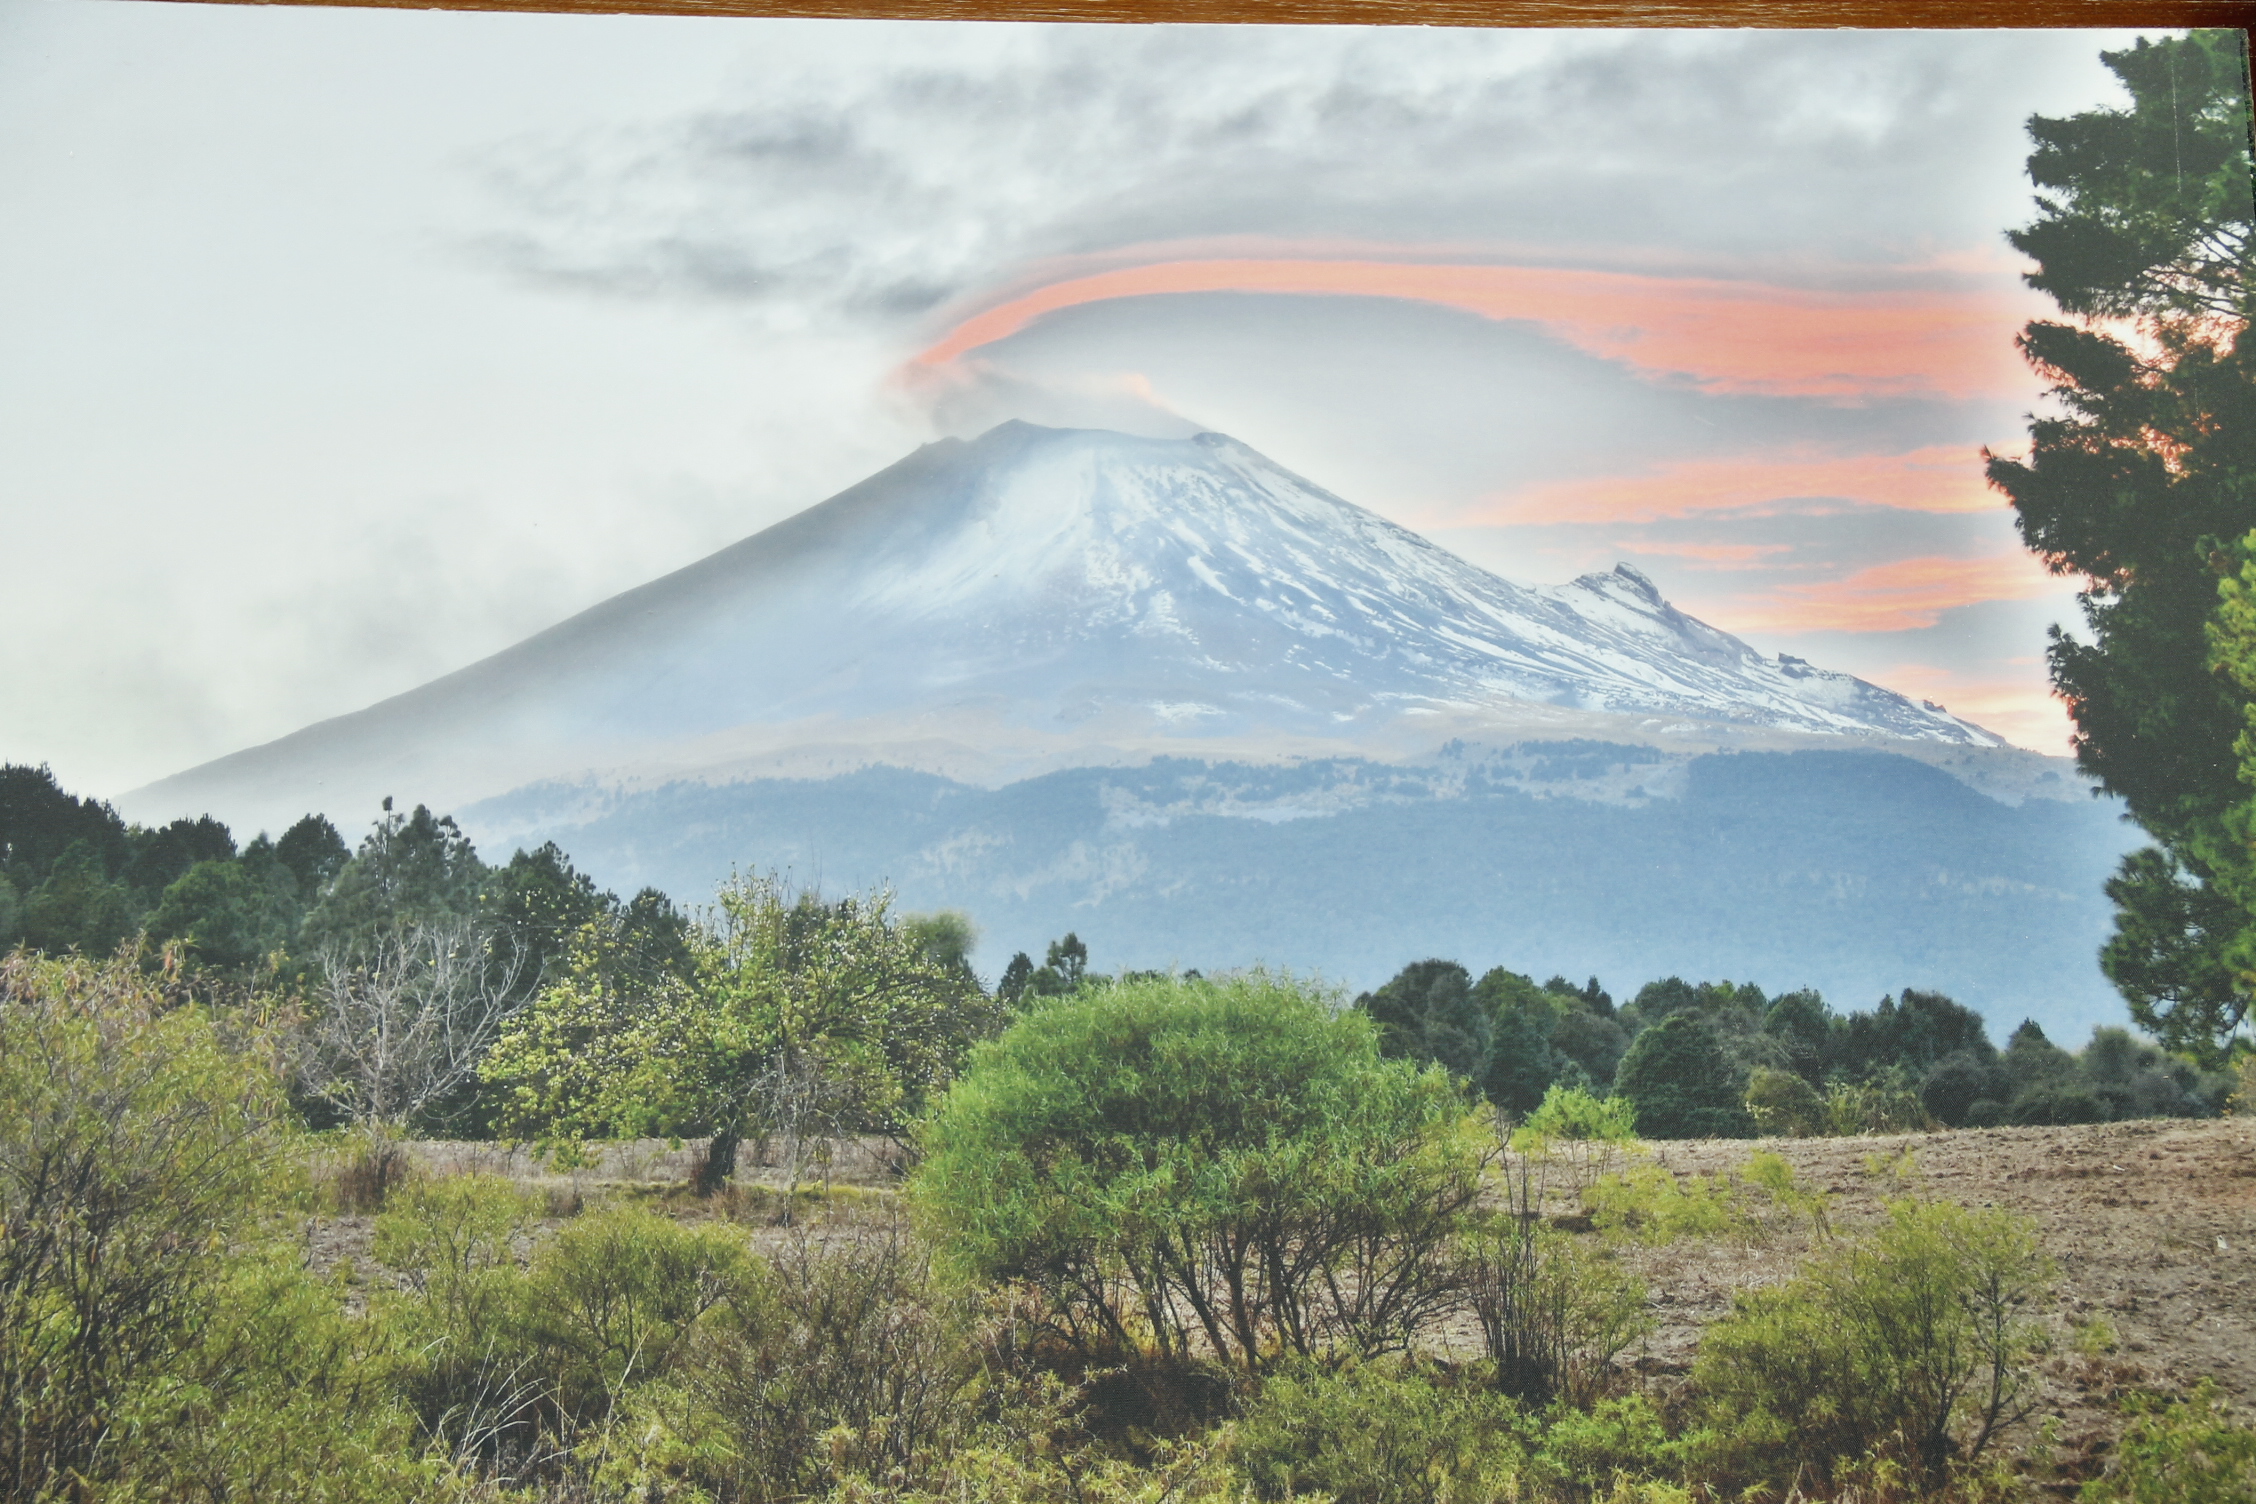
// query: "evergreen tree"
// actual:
[[417, 869], [38, 822], [2139, 485], [313, 853], [78, 907], [1427, 1012], [1682, 1083]]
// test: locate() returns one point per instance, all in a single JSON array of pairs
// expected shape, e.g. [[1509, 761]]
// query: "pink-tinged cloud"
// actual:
[[1943, 478], [1723, 336], [1891, 597], [2013, 700], [1721, 554]]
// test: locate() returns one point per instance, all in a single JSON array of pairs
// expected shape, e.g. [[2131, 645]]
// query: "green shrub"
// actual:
[[281, 1395], [2050, 1102], [455, 1243], [1221, 1166], [1775, 1178], [1783, 1105], [1378, 1433], [1654, 1205], [1553, 1314], [611, 1301], [1578, 1135], [2187, 1450], [133, 1146], [1906, 1345], [1881, 1106], [1617, 1449], [850, 1362]]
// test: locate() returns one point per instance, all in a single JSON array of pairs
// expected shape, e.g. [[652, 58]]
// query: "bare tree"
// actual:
[[399, 1022]]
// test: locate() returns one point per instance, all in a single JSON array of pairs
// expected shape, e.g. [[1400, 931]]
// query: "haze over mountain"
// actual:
[[1041, 597]]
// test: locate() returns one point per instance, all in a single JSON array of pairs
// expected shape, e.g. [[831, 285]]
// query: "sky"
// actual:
[[344, 348]]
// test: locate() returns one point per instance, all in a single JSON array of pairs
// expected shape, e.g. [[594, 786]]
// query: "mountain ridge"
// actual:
[[1053, 587]]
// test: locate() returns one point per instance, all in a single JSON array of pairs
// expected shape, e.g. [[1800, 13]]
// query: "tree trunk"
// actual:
[[718, 1163]]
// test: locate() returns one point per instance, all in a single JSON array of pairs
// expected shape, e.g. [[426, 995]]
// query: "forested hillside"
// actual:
[[1857, 873]]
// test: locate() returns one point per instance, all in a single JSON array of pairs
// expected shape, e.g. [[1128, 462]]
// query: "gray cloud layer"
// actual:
[[884, 191]]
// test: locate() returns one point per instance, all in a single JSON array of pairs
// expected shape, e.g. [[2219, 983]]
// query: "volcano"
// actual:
[[1063, 587]]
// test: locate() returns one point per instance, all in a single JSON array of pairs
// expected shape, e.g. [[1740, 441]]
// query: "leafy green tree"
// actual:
[[1223, 1165], [1017, 978], [800, 1018], [1806, 1027], [1522, 1065], [2031, 1059], [78, 907], [1590, 1040], [224, 914], [1683, 1084], [1064, 967], [2145, 221], [1910, 1035], [1427, 1012], [947, 937], [160, 856], [11, 914], [1964, 1085], [535, 904], [1784, 1104]]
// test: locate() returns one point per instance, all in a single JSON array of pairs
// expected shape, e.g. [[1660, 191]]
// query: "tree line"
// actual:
[[1724, 1060]]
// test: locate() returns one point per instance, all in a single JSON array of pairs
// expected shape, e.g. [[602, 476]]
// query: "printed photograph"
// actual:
[[761, 759]]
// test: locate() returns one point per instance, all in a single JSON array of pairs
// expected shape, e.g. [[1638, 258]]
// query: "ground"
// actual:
[[2152, 1227]]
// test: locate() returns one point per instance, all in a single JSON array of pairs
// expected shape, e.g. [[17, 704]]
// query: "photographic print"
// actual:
[[738, 591]]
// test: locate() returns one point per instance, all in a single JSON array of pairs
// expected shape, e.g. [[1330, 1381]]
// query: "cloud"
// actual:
[[1891, 597], [885, 182], [1935, 478], [1741, 338]]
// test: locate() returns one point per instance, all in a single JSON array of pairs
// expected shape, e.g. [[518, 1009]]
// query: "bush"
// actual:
[[133, 1146], [1656, 1205], [2187, 1450], [1904, 1346], [455, 1241], [1957, 1082], [1377, 1433], [1885, 1105], [850, 1363], [1221, 1166], [282, 1394], [1552, 1314], [1783, 1105], [1677, 1075], [1577, 1136], [612, 1300], [2057, 1102]]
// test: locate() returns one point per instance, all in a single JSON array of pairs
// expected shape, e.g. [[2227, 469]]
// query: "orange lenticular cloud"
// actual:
[[1943, 478], [1892, 597], [1724, 337]]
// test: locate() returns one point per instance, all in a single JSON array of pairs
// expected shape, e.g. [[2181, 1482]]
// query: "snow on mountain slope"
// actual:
[[1055, 582]]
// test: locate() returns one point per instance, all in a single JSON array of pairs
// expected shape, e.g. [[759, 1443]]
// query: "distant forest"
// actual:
[[325, 925]]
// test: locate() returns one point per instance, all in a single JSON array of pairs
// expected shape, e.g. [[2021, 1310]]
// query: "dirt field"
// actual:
[[2152, 1226]]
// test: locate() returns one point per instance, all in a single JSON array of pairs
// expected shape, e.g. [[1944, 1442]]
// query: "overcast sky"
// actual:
[[343, 348]]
